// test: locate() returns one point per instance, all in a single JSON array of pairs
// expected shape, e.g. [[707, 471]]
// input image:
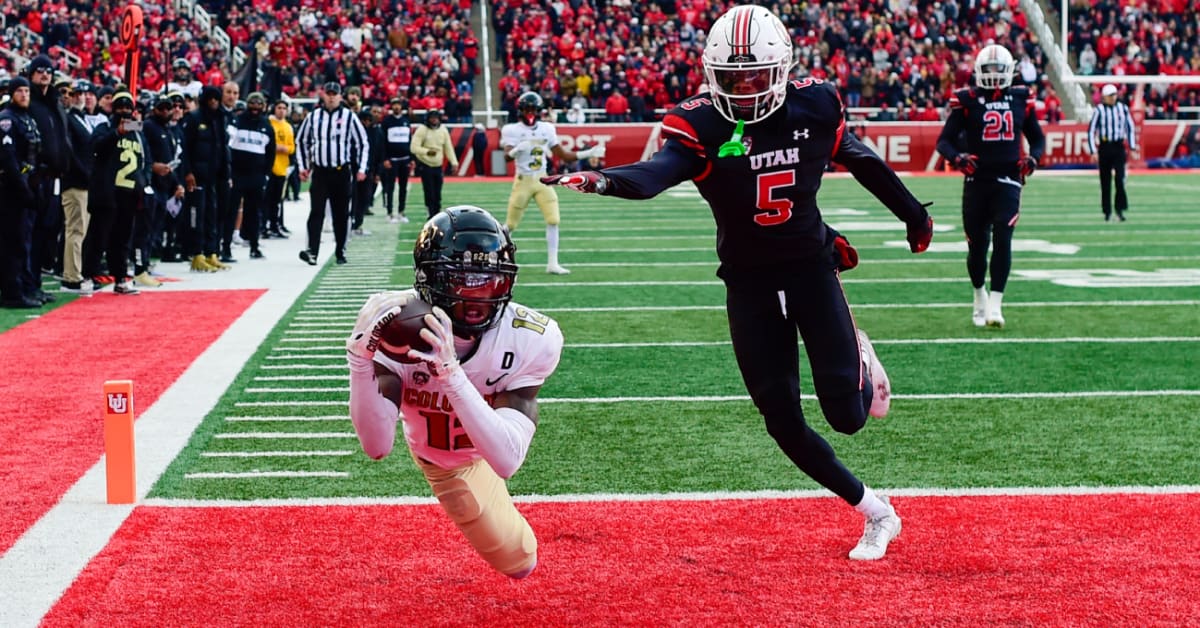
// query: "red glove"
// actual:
[[844, 254], [919, 235], [1027, 165], [967, 163], [587, 181]]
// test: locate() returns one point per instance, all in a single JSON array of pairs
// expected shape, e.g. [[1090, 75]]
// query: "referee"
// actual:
[[1111, 126], [327, 139]]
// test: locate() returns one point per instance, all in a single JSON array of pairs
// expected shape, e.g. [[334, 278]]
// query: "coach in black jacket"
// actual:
[[205, 163], [252, 151], [75, 191], [120, 176], [54, 161]]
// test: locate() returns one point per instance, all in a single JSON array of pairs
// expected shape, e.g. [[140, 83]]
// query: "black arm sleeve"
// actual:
[[672, 165], [1037, 140], [877, 177], [948, 139]]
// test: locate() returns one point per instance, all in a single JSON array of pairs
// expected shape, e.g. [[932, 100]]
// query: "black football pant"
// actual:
[[990, 212], [109, 232], [148, 232], [332, 186], [1111, 160], [763, 324], [431, 183], [364, 197], [249, 194], [273, 203], [395, 178], [14, 245], [197, 222]]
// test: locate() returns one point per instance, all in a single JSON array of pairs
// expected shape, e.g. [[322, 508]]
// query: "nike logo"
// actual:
[[493, 382]]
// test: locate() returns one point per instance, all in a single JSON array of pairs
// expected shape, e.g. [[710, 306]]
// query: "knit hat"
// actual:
[[17, 81], [39, 62], [122, 98]]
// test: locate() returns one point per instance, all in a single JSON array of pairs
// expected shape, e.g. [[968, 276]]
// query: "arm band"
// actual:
[[501, 435], [374, 416]]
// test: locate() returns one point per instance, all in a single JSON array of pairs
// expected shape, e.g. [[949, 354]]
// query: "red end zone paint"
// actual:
[[1088, 560], [53, 367]]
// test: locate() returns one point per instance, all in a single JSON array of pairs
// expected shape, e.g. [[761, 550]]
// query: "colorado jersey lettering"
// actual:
[[522, 350], [542, 136]]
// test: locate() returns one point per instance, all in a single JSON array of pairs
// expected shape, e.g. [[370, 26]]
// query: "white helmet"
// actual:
[[994, 67], [746, 62]]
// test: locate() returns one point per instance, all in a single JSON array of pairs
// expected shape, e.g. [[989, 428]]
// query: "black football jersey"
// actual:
[[765, 201], [990, 124]]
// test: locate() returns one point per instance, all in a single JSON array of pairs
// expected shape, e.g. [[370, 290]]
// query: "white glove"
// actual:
[[364, 340], [523, 147], [588, 153], [439, 333]]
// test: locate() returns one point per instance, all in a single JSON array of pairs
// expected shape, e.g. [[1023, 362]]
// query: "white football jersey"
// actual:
[[521, 350], [543, 137]]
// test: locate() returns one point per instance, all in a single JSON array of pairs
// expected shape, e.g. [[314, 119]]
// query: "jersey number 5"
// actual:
[[997, 126], [779, 210]]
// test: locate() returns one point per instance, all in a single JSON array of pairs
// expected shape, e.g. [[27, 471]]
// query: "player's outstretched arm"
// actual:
[[670, 166]]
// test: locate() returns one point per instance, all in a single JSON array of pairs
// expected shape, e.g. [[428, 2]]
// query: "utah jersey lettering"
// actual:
[[522, 350]]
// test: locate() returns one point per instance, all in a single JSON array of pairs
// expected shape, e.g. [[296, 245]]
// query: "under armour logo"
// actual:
[[118, 403], [796, 135]]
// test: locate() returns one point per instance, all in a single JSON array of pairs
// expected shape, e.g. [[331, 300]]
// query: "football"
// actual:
[[404, 332]]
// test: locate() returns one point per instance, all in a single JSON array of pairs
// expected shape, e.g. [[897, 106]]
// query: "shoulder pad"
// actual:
[[1019, 90]]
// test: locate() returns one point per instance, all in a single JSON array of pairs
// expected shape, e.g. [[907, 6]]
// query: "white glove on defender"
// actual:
[[523, 147], [588, 153], [364, 340]]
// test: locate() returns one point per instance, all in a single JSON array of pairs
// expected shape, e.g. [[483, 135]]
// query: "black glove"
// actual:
[[1027, 165], [966, 163], [587, 181], [919, 235]]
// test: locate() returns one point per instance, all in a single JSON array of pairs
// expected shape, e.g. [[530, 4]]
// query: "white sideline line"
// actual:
[[266, 474], [47, 558], [285, 419], [1018, 491], [299, 378], [886, 306], [1080, 394], [344, 389], [275, 454], [283, 435], [896, 341]]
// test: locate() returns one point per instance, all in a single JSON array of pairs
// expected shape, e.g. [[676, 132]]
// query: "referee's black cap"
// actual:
[[332, 87]]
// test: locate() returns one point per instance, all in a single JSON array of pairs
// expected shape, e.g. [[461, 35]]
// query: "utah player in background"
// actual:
[[756, 146], [530, 142], [991, 118], [468, 406]]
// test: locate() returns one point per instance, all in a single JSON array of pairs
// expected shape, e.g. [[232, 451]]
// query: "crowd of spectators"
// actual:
[[1142, 37], [904, 58], [421, 50]]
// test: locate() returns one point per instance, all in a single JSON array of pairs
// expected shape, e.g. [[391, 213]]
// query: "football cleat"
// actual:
[[995, 319], [555, 269], [878, 532], [881, 399]]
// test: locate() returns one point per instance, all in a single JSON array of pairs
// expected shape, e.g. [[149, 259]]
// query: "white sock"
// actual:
[[995, 299], [981, 298], [552, 245], [870, 505]]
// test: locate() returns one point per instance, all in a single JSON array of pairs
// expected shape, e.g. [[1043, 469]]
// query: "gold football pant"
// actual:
[[477, 501], [526, 188]]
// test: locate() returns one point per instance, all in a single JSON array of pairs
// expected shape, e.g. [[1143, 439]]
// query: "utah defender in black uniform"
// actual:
[[992, 117], [778, 259]]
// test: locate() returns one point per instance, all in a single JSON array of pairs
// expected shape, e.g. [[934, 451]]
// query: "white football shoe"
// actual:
[[995, 319], [878, 532], [881, 400], [555, 269]]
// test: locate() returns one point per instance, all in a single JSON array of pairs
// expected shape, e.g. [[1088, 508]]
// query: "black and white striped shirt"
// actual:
[[1111, 124], [331, 140]]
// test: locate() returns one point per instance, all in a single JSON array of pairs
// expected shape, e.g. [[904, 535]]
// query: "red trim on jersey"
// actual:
[[704, 175], [677, 125]]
